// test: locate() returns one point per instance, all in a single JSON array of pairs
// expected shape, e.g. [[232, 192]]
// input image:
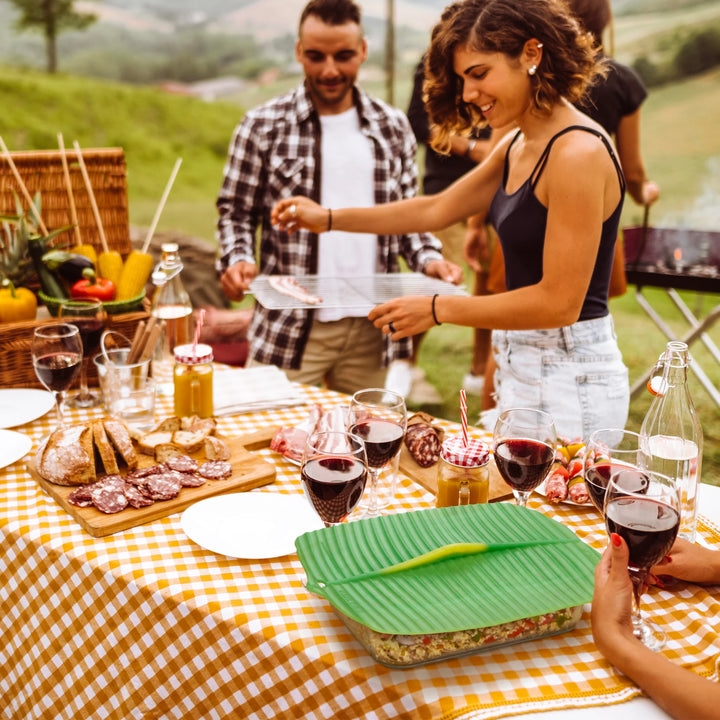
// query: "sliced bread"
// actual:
[[216, 449], [119, 434], [105, 450], [148, 443], [189, 441]]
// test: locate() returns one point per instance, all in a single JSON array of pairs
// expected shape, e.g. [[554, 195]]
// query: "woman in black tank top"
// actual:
[[553, 190]]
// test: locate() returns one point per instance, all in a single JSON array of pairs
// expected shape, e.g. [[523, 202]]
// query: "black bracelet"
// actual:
[[329, 220], [437, 322]]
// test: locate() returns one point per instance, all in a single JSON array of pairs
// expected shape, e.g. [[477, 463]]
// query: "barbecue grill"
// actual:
[[676, 259]]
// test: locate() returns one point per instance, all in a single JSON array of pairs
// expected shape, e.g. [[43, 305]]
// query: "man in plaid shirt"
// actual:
[[330, 141]]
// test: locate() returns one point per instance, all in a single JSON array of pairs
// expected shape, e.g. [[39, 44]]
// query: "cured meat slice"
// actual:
[[136, 497], [182, 463], [141, 473], [423, 443], [289, 286], [188, 479], [81, 497], [290, 440], [108, 497], [577, 491], [556, 484], [163, 486], [215, 470]]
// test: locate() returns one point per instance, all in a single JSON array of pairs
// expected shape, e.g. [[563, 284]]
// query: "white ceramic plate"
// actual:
[[13, 446], [250, 525], [19, 406]]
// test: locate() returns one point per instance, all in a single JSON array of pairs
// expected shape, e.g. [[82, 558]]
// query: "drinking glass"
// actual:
[[608, 450], [89, 317], [643, 507], [379, 417], [57, 357], [334, 473], [524, 442]]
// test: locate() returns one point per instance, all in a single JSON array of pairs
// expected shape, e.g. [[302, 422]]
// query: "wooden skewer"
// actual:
[[153, 337], [160, 207], [68, 185], [23, 188], [139, 330], [138, 348], [90, 192]]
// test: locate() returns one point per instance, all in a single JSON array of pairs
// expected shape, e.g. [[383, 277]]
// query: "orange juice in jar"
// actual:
[[193, 380], [463, 477]]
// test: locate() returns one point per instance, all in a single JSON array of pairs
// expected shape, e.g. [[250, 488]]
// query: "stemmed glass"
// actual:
[[643, 507], [89, 317], [524, 442], [334, 473], [57, 357], [379, 417], [609, 450]]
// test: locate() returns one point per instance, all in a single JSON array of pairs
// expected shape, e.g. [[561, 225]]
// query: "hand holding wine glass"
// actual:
[[379, 417], [89, 317], [643, 507], [524, 442], [57, 357], [334, 473]]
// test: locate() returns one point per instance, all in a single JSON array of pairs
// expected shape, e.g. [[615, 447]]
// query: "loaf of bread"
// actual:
[[68, 456]]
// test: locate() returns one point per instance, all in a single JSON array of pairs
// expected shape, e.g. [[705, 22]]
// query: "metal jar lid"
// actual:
[[475, 454], [193, 354]]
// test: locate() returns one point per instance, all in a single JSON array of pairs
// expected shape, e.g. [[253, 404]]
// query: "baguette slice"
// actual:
[[165, 451], [189, 441], [117, 431], [149, 442], [169, 424], [206, 425], [216, 449], [105, 450], [68, 456]]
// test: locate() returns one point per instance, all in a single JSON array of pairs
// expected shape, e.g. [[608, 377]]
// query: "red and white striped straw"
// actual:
[[463, 415], [198, 328]]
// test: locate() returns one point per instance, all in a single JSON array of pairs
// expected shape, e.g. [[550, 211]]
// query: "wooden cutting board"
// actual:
[[427, 477], [249, 471]]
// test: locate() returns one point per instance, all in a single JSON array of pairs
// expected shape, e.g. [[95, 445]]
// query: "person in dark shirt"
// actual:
[[553, 190]]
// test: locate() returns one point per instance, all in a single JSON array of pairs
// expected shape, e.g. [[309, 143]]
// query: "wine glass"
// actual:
[[334, 473], [608, 450], [57, 357], [379, 417], [643, 507], [524, 442], [89, 317]]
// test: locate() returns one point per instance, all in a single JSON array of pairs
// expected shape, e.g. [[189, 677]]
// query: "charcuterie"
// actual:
[[215, 470], [423, 443]]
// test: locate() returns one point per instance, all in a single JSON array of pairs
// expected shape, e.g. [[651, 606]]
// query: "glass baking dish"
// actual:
[[405, 651]]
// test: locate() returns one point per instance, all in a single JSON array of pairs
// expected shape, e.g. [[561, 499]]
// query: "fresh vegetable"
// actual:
[[16, 303], [135, 274], [50, 285], [88, 251], [66, 265], [110, 265], [92, 286]]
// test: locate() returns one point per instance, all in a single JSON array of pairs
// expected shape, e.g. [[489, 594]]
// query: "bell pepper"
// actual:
[[92, 286], [16, 303]]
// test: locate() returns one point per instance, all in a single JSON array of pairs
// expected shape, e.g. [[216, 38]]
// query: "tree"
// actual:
[[51, 17]]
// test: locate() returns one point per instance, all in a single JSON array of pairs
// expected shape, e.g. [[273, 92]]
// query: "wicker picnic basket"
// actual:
[[42, 171]]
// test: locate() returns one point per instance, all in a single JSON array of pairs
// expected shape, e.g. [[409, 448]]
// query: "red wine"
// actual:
[[523, 463], [648, 527], [382, 440], [91, 330], [334, 486], [57, 371], [598, 476]]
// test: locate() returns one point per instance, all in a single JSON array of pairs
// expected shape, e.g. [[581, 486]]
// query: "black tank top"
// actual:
[[520, 220]]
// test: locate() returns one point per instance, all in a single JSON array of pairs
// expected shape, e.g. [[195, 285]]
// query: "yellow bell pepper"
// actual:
[[16, 303]]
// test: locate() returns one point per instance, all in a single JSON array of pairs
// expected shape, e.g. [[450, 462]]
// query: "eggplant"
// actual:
[[66, 265], [49, 283]]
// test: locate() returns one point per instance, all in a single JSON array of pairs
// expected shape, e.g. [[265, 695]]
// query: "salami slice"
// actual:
[[163, 486], [108, 498], [188, 479], [423, 443], [182, 463], [140, 473], [136, 497], [215, 470], [81, 497]]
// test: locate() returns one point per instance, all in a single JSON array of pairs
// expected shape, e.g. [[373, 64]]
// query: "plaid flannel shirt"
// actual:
[[275, 153]]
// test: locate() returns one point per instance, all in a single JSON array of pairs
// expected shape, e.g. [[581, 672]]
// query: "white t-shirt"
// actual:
[[347, 181]]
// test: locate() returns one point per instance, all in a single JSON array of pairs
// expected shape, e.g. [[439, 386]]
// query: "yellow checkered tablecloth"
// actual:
[[147, 624]]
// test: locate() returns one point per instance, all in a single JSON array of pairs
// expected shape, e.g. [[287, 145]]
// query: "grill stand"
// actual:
[[697, 331]]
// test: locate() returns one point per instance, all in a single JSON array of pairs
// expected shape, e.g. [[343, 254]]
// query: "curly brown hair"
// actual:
[[570, 60]]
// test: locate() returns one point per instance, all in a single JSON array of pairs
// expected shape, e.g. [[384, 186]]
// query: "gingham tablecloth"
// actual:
[[147, 624]]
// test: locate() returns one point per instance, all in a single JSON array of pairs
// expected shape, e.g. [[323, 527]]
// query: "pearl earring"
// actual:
[[532, 69]]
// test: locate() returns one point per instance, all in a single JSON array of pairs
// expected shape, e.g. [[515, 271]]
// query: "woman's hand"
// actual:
[[611, 612], [298, 212], [403, 316], [690, 562], [445, 270]]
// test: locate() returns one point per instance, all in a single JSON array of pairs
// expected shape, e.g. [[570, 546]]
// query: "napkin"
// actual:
[[240, 390]]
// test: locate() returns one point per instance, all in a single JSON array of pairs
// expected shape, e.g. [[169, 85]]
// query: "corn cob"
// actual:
[[110, 265], [135, 274], [88, 251]]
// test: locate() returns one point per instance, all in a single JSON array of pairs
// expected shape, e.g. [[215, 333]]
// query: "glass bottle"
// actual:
[[463, 477], [170, 303], [671, 436], [193, 380]]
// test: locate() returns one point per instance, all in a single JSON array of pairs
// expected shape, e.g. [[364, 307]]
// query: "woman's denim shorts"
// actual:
[[574, 373]]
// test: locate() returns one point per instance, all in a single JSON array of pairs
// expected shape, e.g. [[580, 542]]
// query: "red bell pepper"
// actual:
[[93, 287]]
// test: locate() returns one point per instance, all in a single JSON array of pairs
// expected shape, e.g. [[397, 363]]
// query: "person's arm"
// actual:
[[680, 692], [627, 141]]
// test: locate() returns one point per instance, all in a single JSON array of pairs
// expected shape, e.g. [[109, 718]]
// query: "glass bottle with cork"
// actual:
[[170, 303]]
